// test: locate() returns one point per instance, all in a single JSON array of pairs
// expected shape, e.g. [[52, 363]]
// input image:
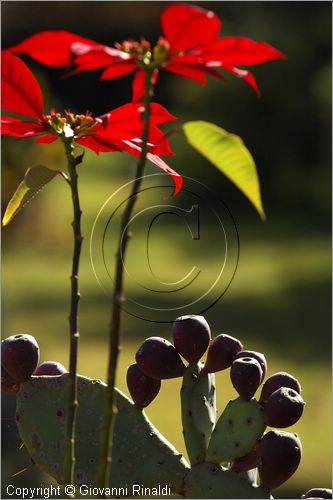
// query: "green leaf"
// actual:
[[35, 179], [229, 154]]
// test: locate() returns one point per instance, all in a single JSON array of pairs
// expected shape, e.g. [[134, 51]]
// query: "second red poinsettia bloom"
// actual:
[[118, 130], [190, 47]]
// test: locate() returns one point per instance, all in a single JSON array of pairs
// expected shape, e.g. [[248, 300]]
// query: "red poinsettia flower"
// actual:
[[189, 47], [117, 130]]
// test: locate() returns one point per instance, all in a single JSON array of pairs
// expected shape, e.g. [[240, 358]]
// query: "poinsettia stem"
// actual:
[[69, 463], [118, 300]]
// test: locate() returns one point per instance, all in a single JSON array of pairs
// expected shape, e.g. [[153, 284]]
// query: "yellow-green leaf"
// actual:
[[34, 180], [228, 153]]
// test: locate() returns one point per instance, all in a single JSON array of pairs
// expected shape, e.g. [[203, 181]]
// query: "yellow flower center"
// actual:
[[70, 125], [143, 54]]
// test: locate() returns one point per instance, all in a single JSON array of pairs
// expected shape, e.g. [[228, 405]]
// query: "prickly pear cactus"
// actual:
[[198, 399], [227, 457], [237, 431], [141, 454]]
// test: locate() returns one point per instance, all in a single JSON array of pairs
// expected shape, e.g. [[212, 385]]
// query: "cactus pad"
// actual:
[[207, 480], [141, 455], [237, 431], [198, 411]]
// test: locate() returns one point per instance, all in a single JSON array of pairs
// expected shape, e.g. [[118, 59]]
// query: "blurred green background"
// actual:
[[280, 299]]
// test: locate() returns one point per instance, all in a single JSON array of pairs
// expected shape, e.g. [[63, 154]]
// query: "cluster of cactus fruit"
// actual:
[[225, 455], [237, 440]]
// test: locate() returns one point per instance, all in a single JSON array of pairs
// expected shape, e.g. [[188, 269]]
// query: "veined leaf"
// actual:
[[34, 180], [228, 153]]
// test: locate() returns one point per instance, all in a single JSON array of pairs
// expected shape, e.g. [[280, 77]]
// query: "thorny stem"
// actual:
[[118, 300], [69, 463]]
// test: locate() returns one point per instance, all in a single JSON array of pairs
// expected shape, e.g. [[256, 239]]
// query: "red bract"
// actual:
[[117, 130], [189, 47]]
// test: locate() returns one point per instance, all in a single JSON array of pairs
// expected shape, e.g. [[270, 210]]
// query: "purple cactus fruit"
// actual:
[[191, 336], [283, 408], [318, 493], [245, 463], [258, 356], [142, 388], [8, 384], [278, 455], [20, 356], [159, 359], [50, 368], [277, 380], [245, 374], [221, 353]]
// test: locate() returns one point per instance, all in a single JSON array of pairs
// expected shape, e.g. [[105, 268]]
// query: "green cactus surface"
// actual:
[[141, 455], [237, 431], [208, 480], [198, 401]]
